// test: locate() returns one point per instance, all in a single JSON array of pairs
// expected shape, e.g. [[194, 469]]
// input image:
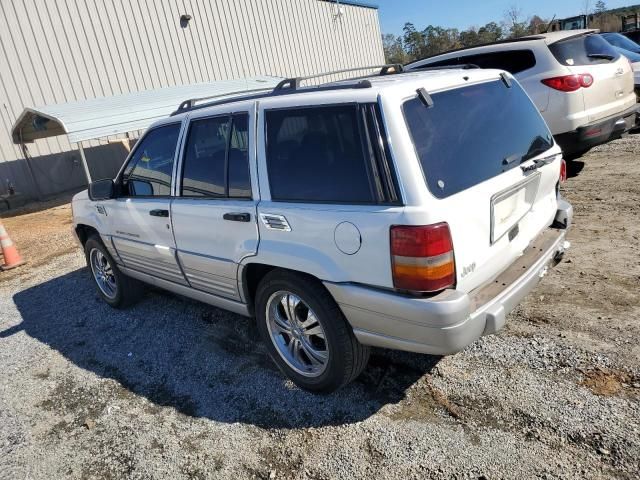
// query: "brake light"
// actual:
[[569, 83], [563, 171], [422, 257]]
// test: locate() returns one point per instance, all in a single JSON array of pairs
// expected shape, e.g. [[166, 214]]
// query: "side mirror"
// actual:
[[101, 190]]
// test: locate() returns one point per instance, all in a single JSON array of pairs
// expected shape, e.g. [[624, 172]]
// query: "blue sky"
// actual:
[[465, 13]]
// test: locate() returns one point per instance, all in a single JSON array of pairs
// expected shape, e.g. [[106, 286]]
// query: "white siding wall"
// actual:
[[54, 51]]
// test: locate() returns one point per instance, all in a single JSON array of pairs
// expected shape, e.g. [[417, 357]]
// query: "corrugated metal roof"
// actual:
[[355, 3], [101, 117]]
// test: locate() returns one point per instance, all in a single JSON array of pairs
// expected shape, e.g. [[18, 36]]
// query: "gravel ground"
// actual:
[[176, 389]]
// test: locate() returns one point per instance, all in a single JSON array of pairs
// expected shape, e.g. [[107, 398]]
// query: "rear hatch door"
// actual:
[[489, 159]]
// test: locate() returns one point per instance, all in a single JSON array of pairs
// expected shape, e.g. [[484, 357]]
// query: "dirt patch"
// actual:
[[607, 382], [39, 237]]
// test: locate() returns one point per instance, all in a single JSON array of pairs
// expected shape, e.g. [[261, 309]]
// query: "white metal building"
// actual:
[[58, 51]]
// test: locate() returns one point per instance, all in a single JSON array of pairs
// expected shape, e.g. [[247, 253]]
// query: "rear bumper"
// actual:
[[451, 320], [599, 132]]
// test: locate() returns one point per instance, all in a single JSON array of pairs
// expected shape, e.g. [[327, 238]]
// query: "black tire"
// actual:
[[127, 290], [347, 357]]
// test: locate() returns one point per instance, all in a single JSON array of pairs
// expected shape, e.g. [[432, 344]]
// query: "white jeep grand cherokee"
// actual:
[[408, 211]]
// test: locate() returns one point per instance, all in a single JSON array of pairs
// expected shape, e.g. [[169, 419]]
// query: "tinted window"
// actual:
[[621, 41], [635, 36], [148, 172], [216, 163], [205, 157], [583, 50], [464, 138], [316, 154], [634, 57], [513, 61], [239, 181]]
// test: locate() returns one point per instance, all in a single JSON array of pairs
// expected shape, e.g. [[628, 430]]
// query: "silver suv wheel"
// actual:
[[297, 334], [103, 273]]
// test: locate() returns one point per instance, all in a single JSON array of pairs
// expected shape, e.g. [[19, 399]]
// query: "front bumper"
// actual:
[[599, 132], [448, 322]]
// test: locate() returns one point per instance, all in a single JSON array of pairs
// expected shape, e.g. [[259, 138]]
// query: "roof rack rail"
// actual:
[[295, 83], [286, 86], [190, 103]]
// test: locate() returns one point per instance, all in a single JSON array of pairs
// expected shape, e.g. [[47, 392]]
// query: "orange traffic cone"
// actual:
[[12, 258]]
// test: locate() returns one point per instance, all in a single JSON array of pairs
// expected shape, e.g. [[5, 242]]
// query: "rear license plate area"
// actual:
[[512, 205], [513, 233]]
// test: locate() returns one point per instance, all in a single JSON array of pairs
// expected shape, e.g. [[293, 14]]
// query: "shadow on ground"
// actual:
[[202, 361], [574, 167]]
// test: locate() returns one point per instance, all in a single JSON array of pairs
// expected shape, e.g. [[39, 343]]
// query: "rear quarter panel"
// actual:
[[312, 245]]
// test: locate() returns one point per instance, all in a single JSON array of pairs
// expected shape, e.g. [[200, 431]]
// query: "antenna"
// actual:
[[550, 22]]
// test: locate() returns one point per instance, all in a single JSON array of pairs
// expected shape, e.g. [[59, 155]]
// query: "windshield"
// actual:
[[474, 133], [621, 41]]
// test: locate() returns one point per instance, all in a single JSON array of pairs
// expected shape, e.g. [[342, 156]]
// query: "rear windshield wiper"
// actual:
[[538, 146], [606, 56], [516, 157]]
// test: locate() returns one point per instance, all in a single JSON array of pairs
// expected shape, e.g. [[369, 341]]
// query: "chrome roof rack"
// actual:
[[191, 103], [287, 86], [294, 83]]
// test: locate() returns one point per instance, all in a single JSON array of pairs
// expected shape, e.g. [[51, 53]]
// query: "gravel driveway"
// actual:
[[176, 389]]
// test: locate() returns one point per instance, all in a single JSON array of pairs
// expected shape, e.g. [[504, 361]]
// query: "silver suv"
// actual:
[[581, 85], [408, 211]]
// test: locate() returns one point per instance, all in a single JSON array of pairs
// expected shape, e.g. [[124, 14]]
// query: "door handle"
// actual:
[[237, 217], [159, 213]]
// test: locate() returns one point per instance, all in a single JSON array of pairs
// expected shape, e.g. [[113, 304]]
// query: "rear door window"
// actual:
[[216, 158], [474, 133], [204, 161], [513, 61], [584, 50], [316, 154], [238, 161]]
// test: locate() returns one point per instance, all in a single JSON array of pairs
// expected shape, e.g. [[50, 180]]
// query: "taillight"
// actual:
[[422, 257], [563, 171], [569, 83]]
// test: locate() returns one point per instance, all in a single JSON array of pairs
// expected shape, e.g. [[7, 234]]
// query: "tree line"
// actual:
[[415, 44]]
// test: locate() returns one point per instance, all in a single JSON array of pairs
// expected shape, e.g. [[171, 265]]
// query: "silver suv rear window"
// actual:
[[474, 133], [513, 61], [584, 50]]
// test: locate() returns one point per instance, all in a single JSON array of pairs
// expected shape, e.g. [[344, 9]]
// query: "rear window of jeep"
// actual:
[[474, 133]]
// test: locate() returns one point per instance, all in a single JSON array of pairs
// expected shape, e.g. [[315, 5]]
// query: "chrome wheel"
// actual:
[[103, 273], [297, 334]]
